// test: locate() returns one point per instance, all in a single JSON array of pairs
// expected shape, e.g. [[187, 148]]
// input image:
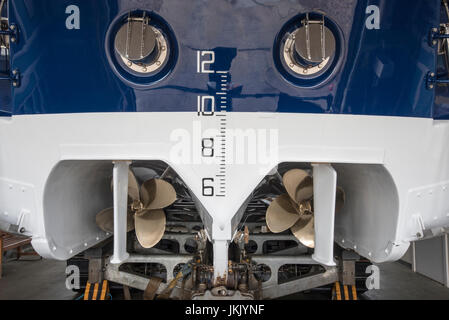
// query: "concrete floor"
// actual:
[[399, 282], [32, 278]]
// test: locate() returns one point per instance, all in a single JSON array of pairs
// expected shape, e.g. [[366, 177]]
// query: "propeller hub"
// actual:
[[137, 206], [305, 207]]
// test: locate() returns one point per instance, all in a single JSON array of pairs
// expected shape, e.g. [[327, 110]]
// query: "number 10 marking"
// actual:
[[201, 105]]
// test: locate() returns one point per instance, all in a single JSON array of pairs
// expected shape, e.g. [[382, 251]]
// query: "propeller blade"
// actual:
[[105, 220], [299, 185], [157, 194], [133, 186], [281, 214], [150, 227], [304, 230], [340, 199], [143, 174]]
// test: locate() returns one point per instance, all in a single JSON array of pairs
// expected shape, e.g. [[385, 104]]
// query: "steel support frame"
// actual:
[[114, 274], [261, 238], [220, 261], [272, 289]]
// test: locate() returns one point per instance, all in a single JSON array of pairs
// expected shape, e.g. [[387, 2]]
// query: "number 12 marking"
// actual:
[[201, 65]]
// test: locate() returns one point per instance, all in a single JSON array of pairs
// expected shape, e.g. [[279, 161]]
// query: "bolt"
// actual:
[[158, 63], [13, 39], [434, 29], [431, 86], [434, 42], [432, 74], [14, 83], [163, 48], [305, 71], [129, 63], [418, 235], [12, 27], [14, 72], [22, 230], [144, 69]]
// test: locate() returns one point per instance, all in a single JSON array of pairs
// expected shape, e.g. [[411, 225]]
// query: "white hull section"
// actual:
[[395, 172]]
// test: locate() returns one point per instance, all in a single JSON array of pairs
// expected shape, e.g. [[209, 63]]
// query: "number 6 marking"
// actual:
[[208, 191]]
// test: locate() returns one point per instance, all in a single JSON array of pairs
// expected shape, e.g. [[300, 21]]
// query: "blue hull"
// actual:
[[379, 72]]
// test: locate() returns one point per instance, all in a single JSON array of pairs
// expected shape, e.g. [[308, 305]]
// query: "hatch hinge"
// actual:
[[432, 79], [436, 34], [12, 32], [439, 38], [14, 77]]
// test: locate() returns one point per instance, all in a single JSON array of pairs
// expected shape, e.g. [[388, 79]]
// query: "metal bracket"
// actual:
[[436, 38], [14, 77], [12, 32], [434, 35], [347, 276], [432, 80]]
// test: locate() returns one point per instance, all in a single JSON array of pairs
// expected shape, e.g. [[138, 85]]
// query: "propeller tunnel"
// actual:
[[140, 205]]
